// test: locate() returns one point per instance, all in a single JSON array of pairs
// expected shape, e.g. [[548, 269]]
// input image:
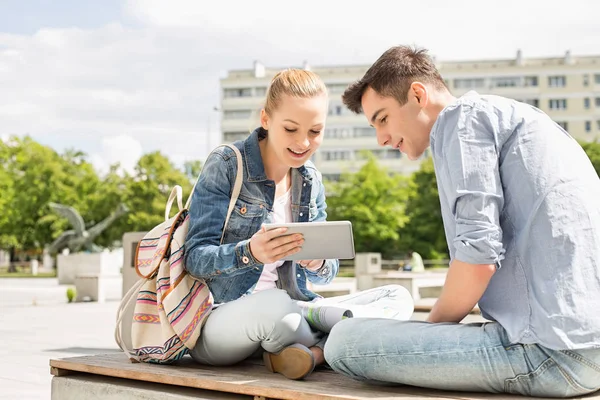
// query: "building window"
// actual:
[[557, 81], [532, 102], [557, 104], [508, 81], [588, 126], [530, 81], [469, 83], [364, 132], [563, 125], [336, 155], [586, 103], [586, 80], [260, 91], [243, 92], [237, 114], [598, 124], [597, 101], [597, 79]]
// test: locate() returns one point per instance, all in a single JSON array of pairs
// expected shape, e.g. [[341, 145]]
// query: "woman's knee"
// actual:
[[274, 304]]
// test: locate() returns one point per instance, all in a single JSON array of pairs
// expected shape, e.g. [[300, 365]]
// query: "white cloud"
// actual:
[[122, 149], [158, 80]]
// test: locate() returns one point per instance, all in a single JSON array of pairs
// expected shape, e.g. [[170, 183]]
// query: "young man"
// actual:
[[521, 208]]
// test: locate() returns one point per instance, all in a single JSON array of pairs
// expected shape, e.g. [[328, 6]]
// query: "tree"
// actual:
[[592, 149], [192, 169], [424, 231], [36, 175], [374, 201], [7, 237], [148, 190]]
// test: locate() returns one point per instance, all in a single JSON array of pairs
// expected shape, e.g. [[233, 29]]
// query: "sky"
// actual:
[[117, 79]]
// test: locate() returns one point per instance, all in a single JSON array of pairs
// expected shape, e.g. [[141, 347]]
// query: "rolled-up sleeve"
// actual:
[[474, 187]]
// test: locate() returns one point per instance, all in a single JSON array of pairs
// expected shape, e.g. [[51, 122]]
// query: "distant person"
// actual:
[[262, 301], [416, 262], [519, 200]]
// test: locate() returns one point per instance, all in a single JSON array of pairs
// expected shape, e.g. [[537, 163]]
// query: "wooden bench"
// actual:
[[113, 376]]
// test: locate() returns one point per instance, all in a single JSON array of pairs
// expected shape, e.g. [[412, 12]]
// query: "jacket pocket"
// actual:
[[245, 220]]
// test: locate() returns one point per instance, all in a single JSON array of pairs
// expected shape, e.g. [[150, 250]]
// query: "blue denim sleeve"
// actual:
[[205, 257], [330, 268], [473, 184]]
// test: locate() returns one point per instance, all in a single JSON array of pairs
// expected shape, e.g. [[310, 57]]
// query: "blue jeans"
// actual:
[[466, 357]]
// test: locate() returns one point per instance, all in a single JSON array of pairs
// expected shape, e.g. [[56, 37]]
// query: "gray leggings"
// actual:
[[271, 320]]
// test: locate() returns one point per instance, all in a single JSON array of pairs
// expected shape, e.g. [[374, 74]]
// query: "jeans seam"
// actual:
[[509, 382], [581, 359], [417, 354], [576, 386]]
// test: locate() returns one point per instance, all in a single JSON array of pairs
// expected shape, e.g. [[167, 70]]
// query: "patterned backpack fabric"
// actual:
[[171, 306]]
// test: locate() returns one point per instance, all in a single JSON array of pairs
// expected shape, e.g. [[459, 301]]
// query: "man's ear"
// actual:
[[418, 91], [264, 119]]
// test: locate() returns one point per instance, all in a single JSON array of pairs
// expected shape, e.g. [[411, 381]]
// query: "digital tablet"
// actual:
[[323, 240]]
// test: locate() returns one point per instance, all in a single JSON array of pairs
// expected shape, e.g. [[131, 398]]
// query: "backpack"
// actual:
[[171, 306]]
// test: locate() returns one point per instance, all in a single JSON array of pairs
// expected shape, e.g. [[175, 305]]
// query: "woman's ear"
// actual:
[[264, 119]]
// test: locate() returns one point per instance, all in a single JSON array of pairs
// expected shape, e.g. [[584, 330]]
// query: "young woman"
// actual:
[[257, 294]]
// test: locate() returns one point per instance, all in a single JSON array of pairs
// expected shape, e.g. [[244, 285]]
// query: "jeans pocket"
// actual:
[[548, 379]]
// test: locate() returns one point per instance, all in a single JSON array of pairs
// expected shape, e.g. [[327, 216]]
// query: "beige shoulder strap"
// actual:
[[237, 187]]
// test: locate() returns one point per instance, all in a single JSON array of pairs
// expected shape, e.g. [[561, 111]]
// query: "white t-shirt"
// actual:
[[282, 213]]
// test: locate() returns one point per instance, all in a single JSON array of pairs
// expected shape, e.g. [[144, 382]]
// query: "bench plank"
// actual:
[[250, 379]]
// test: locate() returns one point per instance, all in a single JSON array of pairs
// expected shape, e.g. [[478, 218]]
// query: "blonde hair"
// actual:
[[295, 83]]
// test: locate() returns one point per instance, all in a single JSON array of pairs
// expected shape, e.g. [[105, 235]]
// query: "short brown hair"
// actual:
[[392, 74]]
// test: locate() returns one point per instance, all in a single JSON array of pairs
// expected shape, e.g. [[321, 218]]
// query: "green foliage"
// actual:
[[424, 231], [592, 150], [374, 201], [391, 214], [71, 294], [32, 175]]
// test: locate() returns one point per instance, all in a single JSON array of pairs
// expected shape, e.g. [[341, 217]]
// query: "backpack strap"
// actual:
[[237, 187]]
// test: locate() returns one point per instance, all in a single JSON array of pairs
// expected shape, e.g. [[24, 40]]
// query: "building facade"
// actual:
[[567, 88]]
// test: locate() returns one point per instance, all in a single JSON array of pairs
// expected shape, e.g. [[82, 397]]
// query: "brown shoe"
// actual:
[[293, 362]]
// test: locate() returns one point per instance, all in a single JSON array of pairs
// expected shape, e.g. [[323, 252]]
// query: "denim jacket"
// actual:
[[229, 269]]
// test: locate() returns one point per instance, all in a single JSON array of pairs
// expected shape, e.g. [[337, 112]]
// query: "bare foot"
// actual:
[[318, 355]]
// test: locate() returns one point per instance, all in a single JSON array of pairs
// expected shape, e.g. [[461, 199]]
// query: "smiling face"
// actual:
[[295, 128], [405, 127]]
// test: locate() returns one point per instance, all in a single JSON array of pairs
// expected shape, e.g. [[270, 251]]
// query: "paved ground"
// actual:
[[36, 324]]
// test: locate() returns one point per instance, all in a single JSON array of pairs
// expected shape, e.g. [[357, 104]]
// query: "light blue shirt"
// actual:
[[518, 191]]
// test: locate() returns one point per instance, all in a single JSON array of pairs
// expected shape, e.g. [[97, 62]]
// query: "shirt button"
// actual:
[[304, 184], [301, 214], [298, 275], [245, 260], [243, 210], [261, 206], [218, 272]]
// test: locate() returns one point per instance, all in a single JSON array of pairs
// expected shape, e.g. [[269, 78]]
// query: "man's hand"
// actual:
[[464, 286], [311, 265]]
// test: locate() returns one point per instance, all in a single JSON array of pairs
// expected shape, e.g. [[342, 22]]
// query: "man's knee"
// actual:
[[341, 339], [341, 345]]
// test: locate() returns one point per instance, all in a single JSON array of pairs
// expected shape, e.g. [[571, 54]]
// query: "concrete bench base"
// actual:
[[95, 387], [113, 376]]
